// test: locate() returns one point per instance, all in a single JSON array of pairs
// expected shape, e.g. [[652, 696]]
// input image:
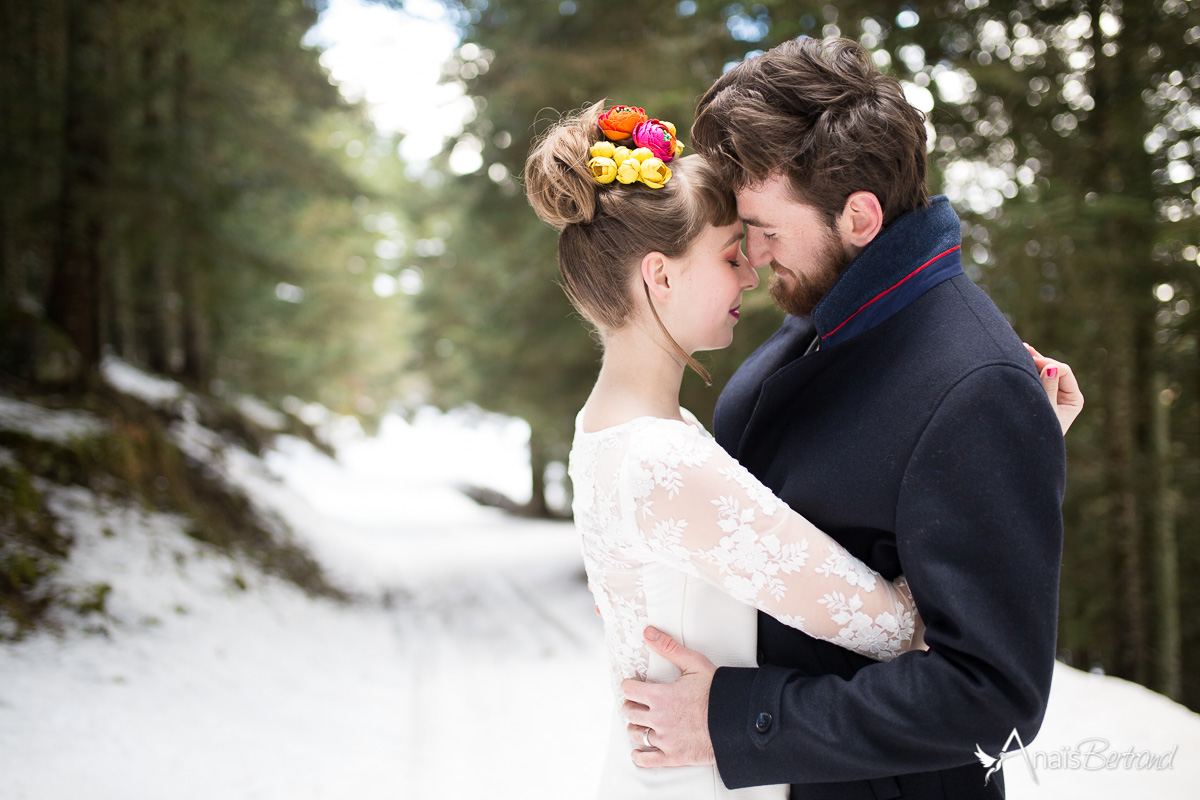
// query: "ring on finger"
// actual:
[[646, 737]]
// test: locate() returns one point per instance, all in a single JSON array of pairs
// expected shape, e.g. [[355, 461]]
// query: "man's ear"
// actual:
[[861, 219], [655, 275]]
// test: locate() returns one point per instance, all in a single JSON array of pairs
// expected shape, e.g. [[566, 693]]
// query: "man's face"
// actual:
[[805, 254]]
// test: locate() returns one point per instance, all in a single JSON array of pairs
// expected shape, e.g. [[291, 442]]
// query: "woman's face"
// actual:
[[710, 280]]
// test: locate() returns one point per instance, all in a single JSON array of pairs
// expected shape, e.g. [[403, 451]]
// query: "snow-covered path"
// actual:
[[503, 670], [472, 667]]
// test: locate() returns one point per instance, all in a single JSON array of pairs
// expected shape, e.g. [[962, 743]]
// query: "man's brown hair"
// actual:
[[822, 114]]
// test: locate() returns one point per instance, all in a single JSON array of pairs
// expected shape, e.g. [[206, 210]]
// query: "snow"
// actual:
[[260, 413], [126, 378], [191, 687], [61, 426], [200, 690], [1092, 713], [470, 664]]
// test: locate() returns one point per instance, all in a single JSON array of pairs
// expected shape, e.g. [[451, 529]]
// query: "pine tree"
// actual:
[[170, 193]]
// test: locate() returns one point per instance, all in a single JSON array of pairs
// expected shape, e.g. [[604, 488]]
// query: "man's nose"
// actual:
[[756, 250]]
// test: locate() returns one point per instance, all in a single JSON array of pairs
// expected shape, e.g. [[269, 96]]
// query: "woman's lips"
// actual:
[[733, 312]]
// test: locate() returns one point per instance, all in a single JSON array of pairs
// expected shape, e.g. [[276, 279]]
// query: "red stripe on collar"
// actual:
[[890, 288]]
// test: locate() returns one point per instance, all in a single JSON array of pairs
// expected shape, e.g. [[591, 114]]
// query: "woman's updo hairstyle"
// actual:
[[606, 229]]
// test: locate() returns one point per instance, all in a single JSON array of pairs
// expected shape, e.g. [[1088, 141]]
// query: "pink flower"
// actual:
[[656, 137]]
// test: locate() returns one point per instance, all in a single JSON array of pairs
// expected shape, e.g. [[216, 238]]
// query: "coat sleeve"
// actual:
[[979, 535]]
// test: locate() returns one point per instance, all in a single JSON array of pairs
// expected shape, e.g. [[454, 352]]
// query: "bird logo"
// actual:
[[989, 763], [993, 763]]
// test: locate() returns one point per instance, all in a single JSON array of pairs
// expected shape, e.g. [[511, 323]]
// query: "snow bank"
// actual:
[[58, 426], [199, 689], [128, 379], [260, 413], [1091, 717]]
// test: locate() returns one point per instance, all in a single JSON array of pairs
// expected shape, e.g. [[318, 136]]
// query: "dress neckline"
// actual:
[[689, 419]]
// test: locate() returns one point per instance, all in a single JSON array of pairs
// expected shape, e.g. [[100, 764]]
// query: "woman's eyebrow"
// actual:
[[734, 238]]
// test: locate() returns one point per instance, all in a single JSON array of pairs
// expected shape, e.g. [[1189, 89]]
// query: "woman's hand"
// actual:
[[1061, 387]]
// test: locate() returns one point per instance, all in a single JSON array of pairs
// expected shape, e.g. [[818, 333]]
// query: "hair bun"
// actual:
[[558, 182]]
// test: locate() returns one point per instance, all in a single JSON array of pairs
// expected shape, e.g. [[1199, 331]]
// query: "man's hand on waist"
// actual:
[[672, 718]]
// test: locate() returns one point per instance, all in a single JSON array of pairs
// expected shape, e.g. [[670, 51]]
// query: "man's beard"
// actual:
[[807, 289]]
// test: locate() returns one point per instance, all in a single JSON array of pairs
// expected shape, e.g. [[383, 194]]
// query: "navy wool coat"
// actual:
[[917, 435]]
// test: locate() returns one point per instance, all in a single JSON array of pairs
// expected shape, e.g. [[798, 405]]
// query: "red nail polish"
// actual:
[[1052, 372]]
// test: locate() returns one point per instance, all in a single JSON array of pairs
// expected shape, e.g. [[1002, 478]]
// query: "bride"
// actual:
[[676, 534]]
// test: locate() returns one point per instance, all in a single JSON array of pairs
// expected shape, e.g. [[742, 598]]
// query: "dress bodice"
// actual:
[[676, 534]]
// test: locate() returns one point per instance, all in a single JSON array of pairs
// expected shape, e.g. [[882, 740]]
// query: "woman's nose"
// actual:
[[750, 281]]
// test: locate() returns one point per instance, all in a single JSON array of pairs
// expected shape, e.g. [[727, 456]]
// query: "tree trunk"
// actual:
[[196, 331], [76, 287], [11, 75], [537, 466], [1123, 169], [48, 67], [160, 301], [1170, 643], [123, 312], [1124, 521]]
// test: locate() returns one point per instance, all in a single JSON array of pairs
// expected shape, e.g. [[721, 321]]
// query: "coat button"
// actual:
[[763, 723]]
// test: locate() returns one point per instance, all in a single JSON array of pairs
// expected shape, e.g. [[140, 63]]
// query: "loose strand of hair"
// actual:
[[696, 366]]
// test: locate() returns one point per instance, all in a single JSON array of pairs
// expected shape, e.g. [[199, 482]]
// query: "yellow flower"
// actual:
[[603, 169], [629, 170], [602, 150], [678, 148], [642, 153], [670, 126], [655, 173], [620, 154]]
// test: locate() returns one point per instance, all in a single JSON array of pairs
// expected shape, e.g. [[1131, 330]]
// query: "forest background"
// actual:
[[182, 186]]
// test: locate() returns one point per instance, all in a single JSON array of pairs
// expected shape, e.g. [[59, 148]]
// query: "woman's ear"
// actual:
[[861, 219], [655, 275]]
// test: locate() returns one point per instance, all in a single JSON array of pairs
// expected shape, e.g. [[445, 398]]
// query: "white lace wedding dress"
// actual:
[[678, 535]]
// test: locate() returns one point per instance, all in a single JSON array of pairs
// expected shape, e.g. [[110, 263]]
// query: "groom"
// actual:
[[897, 410]]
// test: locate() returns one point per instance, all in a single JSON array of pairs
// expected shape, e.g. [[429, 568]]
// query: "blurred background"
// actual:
[[239, 238]]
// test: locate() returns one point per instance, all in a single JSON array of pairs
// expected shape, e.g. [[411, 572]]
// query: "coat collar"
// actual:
[[909, 257]]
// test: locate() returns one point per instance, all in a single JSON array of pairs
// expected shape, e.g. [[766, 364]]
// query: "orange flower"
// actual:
[[619, 121]]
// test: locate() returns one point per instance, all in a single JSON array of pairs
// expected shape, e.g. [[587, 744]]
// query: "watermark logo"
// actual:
[[993, 764], [1088, 754]]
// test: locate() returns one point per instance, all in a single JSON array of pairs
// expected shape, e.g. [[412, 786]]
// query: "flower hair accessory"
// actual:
[[653, 145], [619, 121]]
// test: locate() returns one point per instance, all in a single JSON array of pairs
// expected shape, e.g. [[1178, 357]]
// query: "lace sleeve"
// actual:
[[700, 511]]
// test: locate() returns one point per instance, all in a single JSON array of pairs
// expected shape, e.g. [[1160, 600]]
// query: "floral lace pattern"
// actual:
[[658, 491]]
